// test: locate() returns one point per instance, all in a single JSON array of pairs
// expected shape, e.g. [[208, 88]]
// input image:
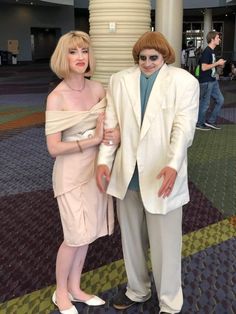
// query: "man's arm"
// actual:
[[184, 122], [206, 66], [107, 152], [102, 177]]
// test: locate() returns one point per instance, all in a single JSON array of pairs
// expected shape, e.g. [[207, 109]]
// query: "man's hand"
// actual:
[[102, 177], [221, 62], [111, 136], [169, 175]]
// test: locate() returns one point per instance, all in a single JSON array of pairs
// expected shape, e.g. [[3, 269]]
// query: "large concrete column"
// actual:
[[207, 25], [114, 28], [169, 21]]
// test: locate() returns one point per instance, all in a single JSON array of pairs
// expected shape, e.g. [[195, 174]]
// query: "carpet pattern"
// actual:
[[30, 229], [208, 272], [212, 167]]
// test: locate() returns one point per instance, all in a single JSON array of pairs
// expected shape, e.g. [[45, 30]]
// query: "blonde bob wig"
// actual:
[[154, 40], [72, 40]]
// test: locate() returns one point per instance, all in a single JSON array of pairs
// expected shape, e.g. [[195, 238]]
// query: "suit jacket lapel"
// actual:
[[132, 83]]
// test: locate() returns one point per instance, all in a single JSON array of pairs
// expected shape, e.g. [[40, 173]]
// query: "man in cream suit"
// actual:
[[156, 107]]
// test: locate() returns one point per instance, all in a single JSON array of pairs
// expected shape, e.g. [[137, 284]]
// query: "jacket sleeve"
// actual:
[[184, 124], [107, 153]]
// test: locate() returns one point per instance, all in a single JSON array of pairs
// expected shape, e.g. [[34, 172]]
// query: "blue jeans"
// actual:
[[208, 90]]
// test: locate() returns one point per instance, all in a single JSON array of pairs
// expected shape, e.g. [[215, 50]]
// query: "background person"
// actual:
[[156, 107], [74, 129], [209, 85], [198, 53], [233, 71], [191, 58], [184, 57]]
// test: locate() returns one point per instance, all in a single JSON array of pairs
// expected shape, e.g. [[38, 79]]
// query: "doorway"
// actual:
[[43, 42]]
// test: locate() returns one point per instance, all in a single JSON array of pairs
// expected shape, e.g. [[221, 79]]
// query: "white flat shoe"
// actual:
[[71, 310], [94, 301]]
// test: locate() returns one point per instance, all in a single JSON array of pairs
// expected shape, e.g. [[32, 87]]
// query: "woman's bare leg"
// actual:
[[65, 258], [75, 274]]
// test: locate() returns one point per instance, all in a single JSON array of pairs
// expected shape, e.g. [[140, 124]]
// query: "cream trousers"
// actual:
[[163, 234]]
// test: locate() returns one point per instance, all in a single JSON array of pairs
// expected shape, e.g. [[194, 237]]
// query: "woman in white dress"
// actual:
[[74, 130]]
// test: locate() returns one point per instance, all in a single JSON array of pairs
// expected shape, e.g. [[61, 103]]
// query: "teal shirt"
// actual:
[[146, 84]]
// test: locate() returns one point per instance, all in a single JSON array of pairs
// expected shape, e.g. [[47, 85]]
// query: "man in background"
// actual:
[[191, 58], [209, 85]]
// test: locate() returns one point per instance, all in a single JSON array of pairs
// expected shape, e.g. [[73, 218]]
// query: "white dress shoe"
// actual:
[[71, 310], [94, 301]]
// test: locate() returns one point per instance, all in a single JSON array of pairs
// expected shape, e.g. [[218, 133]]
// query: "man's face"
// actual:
[[150, 60], [216, 40]]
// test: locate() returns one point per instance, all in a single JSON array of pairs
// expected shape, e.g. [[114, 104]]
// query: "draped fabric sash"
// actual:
[[58, 121], [72, 170]]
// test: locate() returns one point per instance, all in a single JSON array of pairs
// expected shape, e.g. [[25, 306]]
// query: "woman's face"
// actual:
[[150, 60], [78, 59]]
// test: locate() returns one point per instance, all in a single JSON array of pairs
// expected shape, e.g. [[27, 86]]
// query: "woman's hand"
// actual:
[[98, 135], [111, 136]]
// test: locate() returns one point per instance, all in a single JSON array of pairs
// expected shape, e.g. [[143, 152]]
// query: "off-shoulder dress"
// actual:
[[86, 213]]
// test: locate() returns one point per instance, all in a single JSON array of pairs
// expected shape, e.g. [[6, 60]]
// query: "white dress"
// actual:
[[86, 213]]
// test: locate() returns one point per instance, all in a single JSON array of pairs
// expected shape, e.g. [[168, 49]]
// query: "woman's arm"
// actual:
[[57, 147]]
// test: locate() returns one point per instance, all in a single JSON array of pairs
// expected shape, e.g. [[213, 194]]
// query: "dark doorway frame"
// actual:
[[43, 42]]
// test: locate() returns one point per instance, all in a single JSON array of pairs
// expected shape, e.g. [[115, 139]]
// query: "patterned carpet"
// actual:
[[30, 229]]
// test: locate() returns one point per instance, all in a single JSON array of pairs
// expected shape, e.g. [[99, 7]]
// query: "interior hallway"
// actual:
[[30, 229]]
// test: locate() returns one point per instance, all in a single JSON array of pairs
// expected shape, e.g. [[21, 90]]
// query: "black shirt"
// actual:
[[208, 57]]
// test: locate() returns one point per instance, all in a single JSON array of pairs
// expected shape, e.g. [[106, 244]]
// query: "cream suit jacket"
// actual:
[[162, 140]]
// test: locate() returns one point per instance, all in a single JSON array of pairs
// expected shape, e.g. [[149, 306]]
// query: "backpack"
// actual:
[[197, 70]]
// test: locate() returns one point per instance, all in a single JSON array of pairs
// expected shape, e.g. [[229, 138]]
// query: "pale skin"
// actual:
[[70, 260], [167, 174], [221, 62]]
